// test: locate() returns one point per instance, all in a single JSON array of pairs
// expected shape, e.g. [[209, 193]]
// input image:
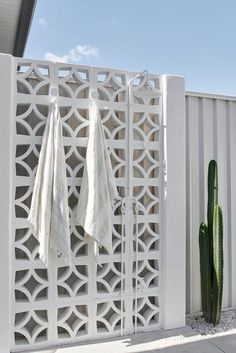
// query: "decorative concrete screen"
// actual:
[[62, 305]]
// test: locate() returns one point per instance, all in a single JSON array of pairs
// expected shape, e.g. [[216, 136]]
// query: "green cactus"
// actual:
[[211, 252], [205, 272], [212, 202], [217, 285]]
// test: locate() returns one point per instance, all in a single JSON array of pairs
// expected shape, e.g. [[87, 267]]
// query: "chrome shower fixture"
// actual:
[[146, 91]]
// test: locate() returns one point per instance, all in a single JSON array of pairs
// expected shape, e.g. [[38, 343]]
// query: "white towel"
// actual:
[[49, 212], [98, 193]]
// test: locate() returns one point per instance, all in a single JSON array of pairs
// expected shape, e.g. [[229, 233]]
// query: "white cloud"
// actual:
[[74, 55], [41, 21], [56, 58]]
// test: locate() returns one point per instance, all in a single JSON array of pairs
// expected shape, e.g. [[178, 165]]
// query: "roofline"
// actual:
[[23, 27]]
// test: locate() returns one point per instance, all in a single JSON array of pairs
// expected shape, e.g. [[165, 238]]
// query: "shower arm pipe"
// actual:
[[135, 202], [138, 75], [130, 126]]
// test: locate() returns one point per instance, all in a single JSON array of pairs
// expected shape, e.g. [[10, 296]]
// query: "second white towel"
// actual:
[[98, 192]]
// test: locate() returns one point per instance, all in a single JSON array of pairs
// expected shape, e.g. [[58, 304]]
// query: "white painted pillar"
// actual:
[[174, 234], [6, 162]]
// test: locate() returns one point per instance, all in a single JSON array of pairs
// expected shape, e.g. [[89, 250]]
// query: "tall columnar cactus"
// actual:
[[211, 252]]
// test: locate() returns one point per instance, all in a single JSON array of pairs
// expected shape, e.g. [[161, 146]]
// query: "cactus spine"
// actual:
[[211, 252]]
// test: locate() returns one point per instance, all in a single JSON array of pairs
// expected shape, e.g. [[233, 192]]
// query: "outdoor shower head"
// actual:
[[146, 91]]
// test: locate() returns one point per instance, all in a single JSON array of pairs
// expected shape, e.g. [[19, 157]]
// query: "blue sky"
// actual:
[[193, 38]]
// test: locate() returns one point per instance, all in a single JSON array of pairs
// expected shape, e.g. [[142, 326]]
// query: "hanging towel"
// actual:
[[98, 193], [49, 212]]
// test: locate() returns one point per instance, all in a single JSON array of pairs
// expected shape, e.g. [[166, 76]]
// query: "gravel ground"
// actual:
[[227, 323]]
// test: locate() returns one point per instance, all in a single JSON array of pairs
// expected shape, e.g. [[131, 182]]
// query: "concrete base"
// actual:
[[183, 340]]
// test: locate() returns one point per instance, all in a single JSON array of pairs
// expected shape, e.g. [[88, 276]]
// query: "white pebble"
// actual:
[[227, 323]]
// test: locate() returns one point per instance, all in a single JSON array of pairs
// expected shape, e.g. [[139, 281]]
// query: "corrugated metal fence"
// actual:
[[211, 133]]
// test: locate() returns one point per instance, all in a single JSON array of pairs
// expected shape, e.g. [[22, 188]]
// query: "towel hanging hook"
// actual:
[[53, 94], [94, 94]]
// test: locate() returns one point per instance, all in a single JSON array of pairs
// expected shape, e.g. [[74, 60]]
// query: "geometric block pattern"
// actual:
[[68, 305]]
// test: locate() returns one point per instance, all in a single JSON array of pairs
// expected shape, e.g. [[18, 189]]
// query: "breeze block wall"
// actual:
[[138, 289]]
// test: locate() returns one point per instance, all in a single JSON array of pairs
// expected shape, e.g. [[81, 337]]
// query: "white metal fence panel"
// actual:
[[60, 305], [211, 131]]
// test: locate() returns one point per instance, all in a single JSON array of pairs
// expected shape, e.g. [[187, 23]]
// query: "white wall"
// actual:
[[6, 113], [210, 133], [174, 241]]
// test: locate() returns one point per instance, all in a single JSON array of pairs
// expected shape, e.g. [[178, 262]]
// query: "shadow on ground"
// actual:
[[183, 340]]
